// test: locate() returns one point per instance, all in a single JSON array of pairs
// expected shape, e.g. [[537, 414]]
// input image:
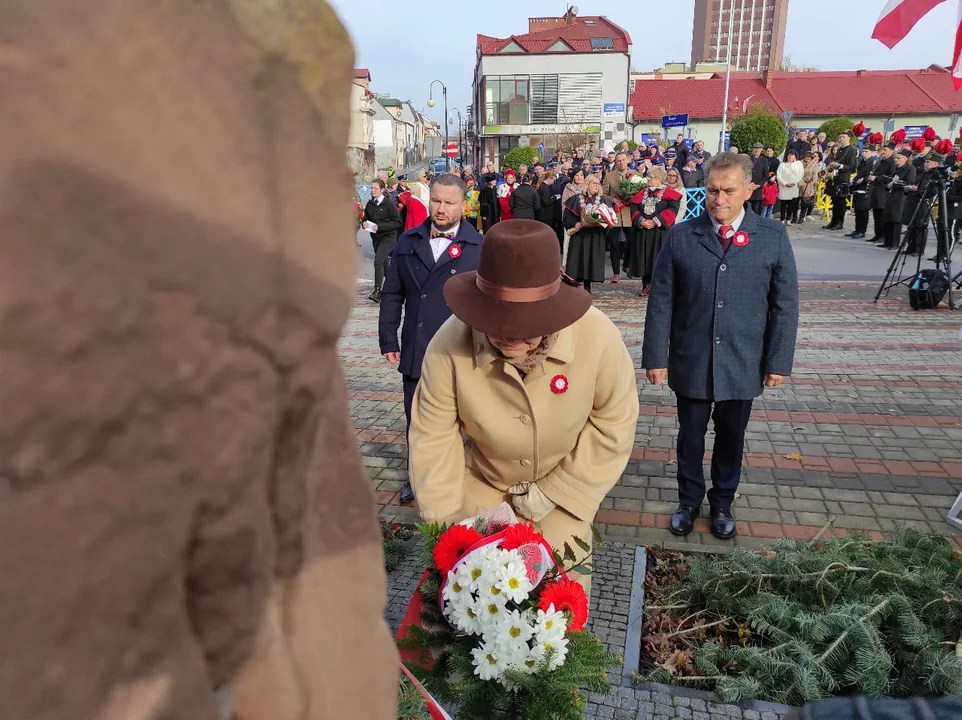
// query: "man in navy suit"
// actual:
[[423, 260], [721, 324]]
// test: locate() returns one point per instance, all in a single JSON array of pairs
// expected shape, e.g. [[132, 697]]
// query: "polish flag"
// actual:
[[900, 16]]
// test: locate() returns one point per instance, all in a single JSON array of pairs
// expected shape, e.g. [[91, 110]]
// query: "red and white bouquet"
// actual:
[[598, 215], [497, 626]]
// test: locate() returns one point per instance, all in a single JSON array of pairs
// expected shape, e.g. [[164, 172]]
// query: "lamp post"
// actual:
[[460, 137], [431, 103], [728, 75]]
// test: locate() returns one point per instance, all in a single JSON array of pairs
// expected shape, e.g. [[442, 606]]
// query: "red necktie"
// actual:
[[725, 235]]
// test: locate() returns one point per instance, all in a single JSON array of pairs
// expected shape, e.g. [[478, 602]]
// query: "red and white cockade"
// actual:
[[559, 384], [740, 239], [455, 251]]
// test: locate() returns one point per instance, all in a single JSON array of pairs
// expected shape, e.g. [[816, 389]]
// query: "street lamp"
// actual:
[[431, 103], [460, 137]]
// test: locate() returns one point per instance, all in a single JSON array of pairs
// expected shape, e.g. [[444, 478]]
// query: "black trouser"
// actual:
[[789, 210], [614, 248], [893, 233], [731, 419], [861, 221], [878, 223], [756, 207], [838, 212], [382, 256], [410, 385]]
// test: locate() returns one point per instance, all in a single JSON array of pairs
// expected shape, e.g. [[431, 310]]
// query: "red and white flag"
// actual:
[[900, 16]]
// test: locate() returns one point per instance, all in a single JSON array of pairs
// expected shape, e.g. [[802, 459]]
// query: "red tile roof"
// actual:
[[851, 93], [362, 73], [577, 35]]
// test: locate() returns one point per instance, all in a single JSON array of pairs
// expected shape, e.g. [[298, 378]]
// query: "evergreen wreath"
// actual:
[[806, 620]]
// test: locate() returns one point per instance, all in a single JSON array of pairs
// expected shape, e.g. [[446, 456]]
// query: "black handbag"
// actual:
[[927, 289]]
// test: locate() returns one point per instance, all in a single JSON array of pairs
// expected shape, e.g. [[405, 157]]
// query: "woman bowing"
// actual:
[[653, 212], [527, 395]]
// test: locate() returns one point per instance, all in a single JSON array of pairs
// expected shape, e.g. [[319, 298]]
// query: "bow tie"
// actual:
[[436, 234]]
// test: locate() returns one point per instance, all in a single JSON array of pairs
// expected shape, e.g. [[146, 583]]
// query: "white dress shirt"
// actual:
[[735, 225], [440, 244]]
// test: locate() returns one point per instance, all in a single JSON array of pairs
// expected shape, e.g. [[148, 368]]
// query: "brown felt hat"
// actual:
[[518, 290]]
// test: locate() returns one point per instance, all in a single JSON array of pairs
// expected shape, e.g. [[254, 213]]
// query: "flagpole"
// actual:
[[728, 79]]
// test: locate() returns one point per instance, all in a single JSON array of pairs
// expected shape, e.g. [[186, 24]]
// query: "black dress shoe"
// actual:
[[851, 234], [857, 236], [874, 239], [375, 297], [407, 495], [683, 521], [828, 227], [723, 523]]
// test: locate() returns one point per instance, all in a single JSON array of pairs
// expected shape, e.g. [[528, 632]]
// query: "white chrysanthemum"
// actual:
[[513, 630], [490, 610], [469, 571], [488, 662], [456, 591], [540, 651], [512, 580], [550, 625], [466, 619]]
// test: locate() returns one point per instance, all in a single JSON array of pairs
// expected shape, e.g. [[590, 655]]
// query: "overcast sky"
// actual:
[[406, 45]]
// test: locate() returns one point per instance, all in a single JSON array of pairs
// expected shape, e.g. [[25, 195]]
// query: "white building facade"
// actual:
[[565, 84]]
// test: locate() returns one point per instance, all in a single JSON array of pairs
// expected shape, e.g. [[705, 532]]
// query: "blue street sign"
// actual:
[[728, 139], [914, 131], [541, 150], [649, 139], [673, 121], [613, 109]]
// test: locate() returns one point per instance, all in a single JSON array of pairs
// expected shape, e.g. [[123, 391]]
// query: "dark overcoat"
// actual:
[[414, 282], [720, 321], [883, 173], [861, 192]]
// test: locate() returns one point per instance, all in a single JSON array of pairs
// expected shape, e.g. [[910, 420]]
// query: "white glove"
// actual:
[[531, 502]]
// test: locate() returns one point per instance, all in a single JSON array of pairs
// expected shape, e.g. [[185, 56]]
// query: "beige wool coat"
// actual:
[[478, 428]]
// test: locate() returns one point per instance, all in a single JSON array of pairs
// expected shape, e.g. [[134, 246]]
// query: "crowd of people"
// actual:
[[878, 179]]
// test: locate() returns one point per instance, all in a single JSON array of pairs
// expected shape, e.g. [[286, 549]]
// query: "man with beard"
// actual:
[[424, 258]]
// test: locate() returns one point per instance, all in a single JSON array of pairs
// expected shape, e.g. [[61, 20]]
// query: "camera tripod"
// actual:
[[917, 235]]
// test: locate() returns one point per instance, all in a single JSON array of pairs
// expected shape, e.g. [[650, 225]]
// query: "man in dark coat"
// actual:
[[382, 220], [861, 192], [800, 145], [425, 257], [525, 201], [691, 175], [878, 192], [902, 178], [488, 203], [721, 324], [759, 176], [846, 156], [681, 151]]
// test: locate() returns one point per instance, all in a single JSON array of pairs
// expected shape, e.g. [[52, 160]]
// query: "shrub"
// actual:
[[835, 127], [521, 155], [759, 125], [632, 145]]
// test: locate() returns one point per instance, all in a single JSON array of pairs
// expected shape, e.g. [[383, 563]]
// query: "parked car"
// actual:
[[439, 165]]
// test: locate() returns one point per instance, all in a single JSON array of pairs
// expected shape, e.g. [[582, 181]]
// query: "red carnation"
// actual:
[[451, 546], [943, 147], [917, 145], [520, 534], [876, 138], [929, 134], [858, 129], [958, 157], [898, 136], [568, 597]]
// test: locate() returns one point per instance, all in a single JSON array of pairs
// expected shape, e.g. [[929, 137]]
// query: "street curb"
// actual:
[[636, 618]]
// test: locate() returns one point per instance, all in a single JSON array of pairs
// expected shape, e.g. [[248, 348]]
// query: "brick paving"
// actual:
[[866, 433]]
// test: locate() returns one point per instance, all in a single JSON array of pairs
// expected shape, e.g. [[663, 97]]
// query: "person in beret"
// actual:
[[527, 394]]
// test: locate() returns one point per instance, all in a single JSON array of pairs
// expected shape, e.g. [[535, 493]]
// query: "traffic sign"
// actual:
[[671, 121], [452, 150]]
